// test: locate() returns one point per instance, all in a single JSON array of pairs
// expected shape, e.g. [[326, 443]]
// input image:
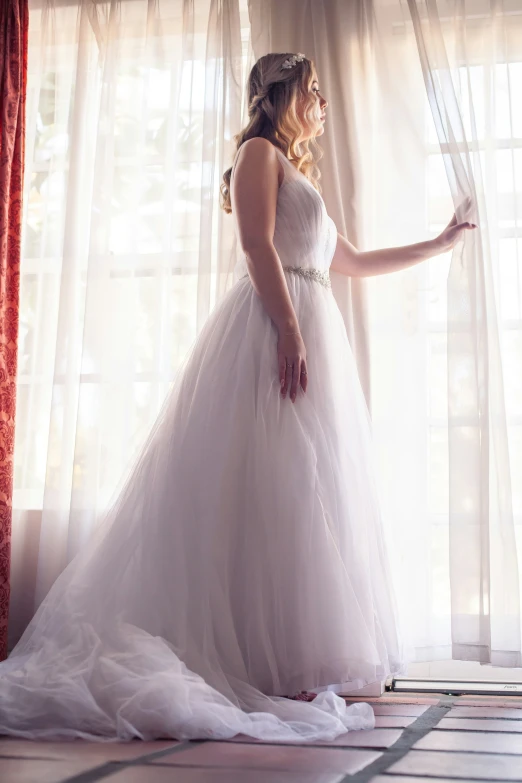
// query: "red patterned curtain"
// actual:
[[14, 22]]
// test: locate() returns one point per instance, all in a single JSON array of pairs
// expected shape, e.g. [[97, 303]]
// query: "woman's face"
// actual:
[[319, 104]]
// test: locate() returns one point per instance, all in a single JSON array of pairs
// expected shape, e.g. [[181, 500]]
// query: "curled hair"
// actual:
[[273, 96]]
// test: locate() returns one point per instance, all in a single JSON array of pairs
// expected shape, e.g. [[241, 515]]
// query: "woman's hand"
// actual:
[[291, 360], [453, 231]]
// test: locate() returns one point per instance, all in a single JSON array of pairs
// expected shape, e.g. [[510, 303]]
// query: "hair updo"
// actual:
[[259, 98], [274, 93]]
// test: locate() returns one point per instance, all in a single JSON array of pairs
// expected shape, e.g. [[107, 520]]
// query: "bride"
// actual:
[[240, 582]]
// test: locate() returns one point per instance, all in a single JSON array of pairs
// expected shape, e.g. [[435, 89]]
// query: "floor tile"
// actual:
[[471, 741], [158, 774], [400, 709], [479, 724], [393, 721], [41, 770], [375, 738], [473, 766], [286, 758], [484, 712], [96, 752]]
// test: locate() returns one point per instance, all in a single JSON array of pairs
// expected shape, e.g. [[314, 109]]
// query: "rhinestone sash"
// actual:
[[310, 273]]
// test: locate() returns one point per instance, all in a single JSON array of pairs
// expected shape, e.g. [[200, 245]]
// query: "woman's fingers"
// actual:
[[288, 378], [292, 373], [464, 226], [468, 203], [295, 378], [303, 376], [459, 229], [282, 372], [464, 209]]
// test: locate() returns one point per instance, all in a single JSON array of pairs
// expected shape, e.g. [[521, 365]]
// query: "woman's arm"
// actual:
[[254, 201], [349, 261]]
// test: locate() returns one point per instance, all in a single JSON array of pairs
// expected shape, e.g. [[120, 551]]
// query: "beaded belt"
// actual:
[[311, 273]]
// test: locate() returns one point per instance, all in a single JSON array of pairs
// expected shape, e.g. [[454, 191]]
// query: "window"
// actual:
[[115, 281]]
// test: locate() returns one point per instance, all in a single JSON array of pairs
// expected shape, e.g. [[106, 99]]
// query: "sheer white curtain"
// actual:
[[424, 109], [132, 105], [448, 78], [131, 110]]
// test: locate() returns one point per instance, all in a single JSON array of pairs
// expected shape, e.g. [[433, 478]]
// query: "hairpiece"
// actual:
[[291, 61]]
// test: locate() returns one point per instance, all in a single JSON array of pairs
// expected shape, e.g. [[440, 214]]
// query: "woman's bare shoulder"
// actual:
[[257, 157], [254, 193]]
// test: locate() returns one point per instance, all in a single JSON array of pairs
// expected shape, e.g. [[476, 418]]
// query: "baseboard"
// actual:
[[374, 689]]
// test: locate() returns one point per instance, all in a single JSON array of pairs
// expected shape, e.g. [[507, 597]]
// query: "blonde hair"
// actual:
[[273, 94]]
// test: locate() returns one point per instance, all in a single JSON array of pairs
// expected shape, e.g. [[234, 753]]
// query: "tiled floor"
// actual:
[[417, 739]]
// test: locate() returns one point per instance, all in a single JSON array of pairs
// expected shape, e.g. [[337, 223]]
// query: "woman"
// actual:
[[243, 563]]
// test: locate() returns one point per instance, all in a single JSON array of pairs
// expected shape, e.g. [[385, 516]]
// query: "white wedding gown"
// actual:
[[245, 559]]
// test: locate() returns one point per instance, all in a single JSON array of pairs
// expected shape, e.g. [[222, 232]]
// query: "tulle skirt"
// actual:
[[244, 559]]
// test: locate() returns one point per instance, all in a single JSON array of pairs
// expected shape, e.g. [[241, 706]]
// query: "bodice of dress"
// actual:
[[305, 236]]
